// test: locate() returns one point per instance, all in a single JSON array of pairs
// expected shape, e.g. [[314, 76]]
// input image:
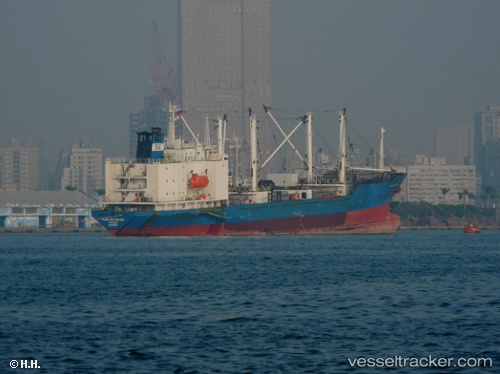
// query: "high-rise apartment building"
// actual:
[[487, 146], [456, 144], [19, 166], [84, 169], [224, 62]]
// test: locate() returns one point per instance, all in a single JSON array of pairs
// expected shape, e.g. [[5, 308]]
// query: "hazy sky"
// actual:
[[75, 69]]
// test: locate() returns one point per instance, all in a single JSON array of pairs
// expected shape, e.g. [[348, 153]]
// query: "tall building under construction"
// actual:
[[152, 115]]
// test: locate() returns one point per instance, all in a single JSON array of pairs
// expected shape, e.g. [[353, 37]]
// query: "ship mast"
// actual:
[[171, 141], [309, 149], [207, 132], [253, 150], [342, 148], [221, 134], [236, 169], [381, 159], [175, 114]]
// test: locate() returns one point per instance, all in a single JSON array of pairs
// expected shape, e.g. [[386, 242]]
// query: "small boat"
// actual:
[[471, 229]]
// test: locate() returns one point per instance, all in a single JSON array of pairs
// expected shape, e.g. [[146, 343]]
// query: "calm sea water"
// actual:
[[92, 303]]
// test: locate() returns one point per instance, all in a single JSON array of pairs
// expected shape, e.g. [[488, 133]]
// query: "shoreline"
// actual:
[[34, 230], [445, 227], [56, 230]]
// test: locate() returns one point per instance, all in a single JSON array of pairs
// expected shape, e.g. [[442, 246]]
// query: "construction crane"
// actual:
[[165, 88]]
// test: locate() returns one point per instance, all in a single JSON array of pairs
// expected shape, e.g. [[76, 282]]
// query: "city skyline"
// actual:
[[76, 70]]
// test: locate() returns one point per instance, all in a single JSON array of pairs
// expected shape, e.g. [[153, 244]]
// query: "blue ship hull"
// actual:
[[366, 210]]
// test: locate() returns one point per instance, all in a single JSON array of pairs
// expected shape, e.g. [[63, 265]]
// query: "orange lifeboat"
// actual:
[[198, 181]]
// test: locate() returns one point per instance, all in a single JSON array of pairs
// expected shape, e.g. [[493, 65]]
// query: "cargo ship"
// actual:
[[175, 187]]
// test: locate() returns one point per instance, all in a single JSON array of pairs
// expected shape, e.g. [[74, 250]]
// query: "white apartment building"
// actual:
[[430, 178], [85, 171]]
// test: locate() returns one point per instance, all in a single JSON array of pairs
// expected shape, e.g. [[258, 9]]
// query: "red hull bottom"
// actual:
[[370, 221]]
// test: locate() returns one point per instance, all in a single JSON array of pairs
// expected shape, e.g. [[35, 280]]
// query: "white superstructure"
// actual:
[[180, 175]]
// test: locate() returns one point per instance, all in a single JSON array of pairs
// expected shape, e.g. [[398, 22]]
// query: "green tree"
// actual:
[[464, 194], [100, 192], [490, 193], [70, 188], [484, 198], [444, 191]]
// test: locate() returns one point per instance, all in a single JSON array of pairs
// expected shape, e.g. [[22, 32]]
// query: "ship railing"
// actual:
[[192, 158], [215, 157], [128, 160], [149, 203]]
